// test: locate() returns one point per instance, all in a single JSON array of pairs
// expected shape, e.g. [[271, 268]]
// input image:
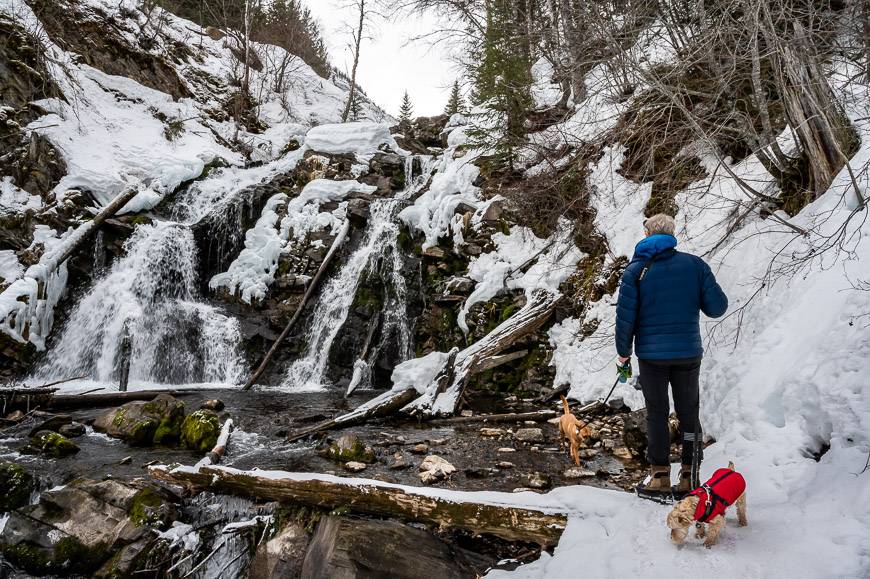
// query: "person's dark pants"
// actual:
[[682, 375]]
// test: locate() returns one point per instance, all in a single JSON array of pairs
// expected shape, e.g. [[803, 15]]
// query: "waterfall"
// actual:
[[151, 295], [379, 244]]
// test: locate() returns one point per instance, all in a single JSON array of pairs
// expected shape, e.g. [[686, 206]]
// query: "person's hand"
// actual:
[[622, 361]]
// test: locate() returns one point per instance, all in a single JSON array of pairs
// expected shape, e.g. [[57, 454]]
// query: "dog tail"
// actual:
[[730, 465], [565, 404]]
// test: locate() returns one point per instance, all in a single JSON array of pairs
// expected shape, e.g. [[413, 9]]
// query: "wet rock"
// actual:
[[493, 212], [434, 468], [214, 405], [421, 448], [507, 449], [477, 472], [353, 466], [73, 529], [460, 285], [200, 430], [529, 435], [467, 413], [622, 453], [350, 548], [17, 485], [52, 444], [617, 403], [73, 430], [434, 252], [487, 431], [50, 422], [15, 416], [282, 555], [578, 472], [350, 448], [399, 462], [588, 453], [538, 480], [358, 212], [128, 561], [505, 465], [144, 423]]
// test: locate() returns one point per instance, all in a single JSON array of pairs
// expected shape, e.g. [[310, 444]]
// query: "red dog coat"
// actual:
[[718, 493]]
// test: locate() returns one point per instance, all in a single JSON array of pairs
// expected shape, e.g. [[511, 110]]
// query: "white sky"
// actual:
[[389, 64]]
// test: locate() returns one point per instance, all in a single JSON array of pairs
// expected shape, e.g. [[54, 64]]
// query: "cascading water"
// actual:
[[380, 244], [150, 297]]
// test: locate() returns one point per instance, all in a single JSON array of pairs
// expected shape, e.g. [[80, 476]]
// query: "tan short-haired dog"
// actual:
[[573, 431], [706, 505]]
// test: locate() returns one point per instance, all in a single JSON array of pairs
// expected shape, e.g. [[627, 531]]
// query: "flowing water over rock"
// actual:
[[149, 297], [378, 249]]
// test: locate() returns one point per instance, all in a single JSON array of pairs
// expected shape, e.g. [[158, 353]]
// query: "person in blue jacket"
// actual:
[[661, 296]]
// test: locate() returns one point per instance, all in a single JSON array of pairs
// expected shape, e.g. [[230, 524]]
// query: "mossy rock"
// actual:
[[51, 444], [69, 557], [17, 485], [144, 423], [200, 430], [148, 508], [350, 448]]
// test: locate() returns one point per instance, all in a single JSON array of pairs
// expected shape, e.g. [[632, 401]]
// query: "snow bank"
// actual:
[[418, 373], [553, 260], [358, 138], [14, 200]]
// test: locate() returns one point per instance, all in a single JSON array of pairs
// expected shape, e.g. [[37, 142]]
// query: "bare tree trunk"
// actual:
[[358, 40]]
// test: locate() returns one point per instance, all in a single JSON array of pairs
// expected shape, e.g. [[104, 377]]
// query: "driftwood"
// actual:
[[69, 401], [361, 361], [537, 416], [377, 499], [445, 389], [339, 240], [24, 399]]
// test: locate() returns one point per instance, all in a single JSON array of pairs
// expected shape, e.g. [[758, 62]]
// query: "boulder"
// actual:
[[282, 555], [200, 430], [434, 468], [349, 448], [73, 430], [350, 548], [354, 466], [538, 480], [52, 422], [144, 423], [358, 212], [214, 405], [73, 529], [50, 444], [634, 433], [529, 435], [17, 485]]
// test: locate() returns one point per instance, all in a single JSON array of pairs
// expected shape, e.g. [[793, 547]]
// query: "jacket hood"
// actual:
[[653, 245]]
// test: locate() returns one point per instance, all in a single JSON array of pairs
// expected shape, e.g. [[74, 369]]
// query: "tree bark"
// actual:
[[358, 40], [371, 498], [339, 240]]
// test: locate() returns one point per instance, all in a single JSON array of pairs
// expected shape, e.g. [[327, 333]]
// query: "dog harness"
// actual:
[[717, 494]]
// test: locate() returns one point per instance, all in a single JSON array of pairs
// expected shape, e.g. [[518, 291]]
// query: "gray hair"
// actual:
[[659, 223]]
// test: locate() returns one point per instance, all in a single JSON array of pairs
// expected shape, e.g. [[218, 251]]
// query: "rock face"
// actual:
[[282, 555], [200, 430], [74, 529], [347, 548], [143, 423]]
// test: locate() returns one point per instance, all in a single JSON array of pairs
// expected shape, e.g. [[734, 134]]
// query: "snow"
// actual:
[[545, 92], [358, 137], [14, 200], [10, 268], [553, 261], [419, 372]]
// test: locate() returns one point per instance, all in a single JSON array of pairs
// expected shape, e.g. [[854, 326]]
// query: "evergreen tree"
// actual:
[[454, 104], [356, 109], [406, 110], [502, 83]]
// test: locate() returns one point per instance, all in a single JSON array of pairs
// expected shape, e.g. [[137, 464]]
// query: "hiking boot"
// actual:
[[659, 485], [684, 486]]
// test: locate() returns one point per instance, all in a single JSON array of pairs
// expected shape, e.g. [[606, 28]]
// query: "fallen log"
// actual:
[[339, 240], [536, 416], [24, 399], [385, 404], [69, 401], [445, 510], [439, 400]]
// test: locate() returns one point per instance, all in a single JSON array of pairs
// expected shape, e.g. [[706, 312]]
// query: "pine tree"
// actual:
[[454, 104], [502, 83], [356, 109], [406, 110]]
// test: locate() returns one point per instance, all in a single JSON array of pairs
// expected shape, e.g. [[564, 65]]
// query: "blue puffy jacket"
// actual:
[[676, 288]]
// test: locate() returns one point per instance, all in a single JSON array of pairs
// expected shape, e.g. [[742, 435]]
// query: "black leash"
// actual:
[[609, 394], [696, 452]]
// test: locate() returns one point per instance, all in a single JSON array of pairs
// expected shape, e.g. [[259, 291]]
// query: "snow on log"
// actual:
[[444, 509], [27, 305], [441, 394]]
